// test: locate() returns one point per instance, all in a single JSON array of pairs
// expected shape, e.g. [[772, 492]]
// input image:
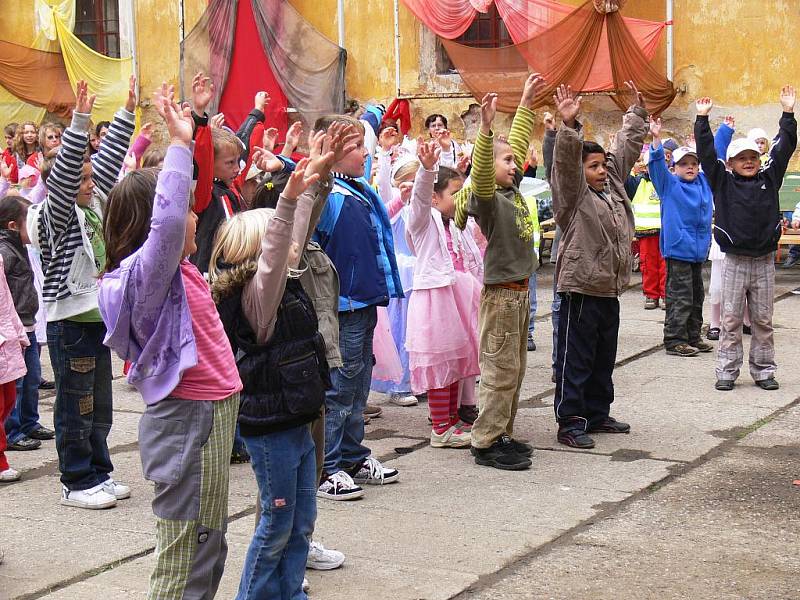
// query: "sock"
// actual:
[[467, 391], [454, 402], [716, 310], [439, 405]]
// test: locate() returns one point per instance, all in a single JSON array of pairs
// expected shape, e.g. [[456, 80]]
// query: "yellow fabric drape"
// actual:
[[106, 77]]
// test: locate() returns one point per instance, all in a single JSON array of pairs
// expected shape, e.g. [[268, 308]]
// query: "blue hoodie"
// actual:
[[686, 210]]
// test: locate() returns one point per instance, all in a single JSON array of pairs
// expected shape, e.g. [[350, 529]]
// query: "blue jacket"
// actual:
[[686, 210], [355, 232]]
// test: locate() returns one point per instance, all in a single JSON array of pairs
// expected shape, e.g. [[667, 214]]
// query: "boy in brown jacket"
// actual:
[[593, 267]]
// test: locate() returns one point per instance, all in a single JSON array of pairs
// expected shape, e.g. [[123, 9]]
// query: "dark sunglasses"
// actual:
[[54, 137]]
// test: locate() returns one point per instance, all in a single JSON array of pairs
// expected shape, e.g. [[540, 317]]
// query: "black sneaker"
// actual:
[[724, 385], [713, 334], [25, 443], [610, 425], [747, 330], [517, 447], [575, 438], [531, 344], [468, 414], [791, 261], [42, 433], [500, 455], [768, 384], [47, 385]]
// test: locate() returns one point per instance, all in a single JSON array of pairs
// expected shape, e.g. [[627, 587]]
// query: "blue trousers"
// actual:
[[24, 417]]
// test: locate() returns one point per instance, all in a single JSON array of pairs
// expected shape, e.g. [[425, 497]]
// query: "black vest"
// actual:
[[209, 221], [285, 379]]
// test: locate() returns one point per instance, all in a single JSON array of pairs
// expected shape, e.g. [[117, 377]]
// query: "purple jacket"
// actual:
[[143, 302]]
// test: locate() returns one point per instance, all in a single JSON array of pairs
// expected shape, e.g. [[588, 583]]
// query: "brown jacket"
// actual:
[[594, 254]]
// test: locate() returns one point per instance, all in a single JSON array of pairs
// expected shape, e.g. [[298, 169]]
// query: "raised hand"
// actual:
[[788, 98], [730, 121], [270, 138], [405, 191], [292, 138], [444, 138], [488, 112], [130, 161], [299, 181], [534, 85], [179, 120], [202, 92], [463, 164], [261, 100], [638, 97], [130, 105], [567, 105], [217, 121], [428, 153], [343, 140], [266, 161], [388, 138], [655, 128], [147, 131], [83, 101], [703, 106], [549, 121]]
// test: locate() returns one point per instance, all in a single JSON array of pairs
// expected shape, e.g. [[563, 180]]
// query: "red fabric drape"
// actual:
[[588, 50], [249, 73], [400, 111]]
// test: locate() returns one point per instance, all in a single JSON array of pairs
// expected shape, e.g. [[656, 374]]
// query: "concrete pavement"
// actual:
[[653, 513]]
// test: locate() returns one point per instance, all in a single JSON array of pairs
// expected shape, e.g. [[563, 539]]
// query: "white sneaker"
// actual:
[[453, 437], [93, 498], [403, 399], [306, 585], [9, 475], [322, 559], [339, 486], [116, 489], [372, 472]]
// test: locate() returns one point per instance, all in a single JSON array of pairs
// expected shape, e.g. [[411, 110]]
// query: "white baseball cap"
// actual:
[[682, 152], [757, 134], [741, 145]]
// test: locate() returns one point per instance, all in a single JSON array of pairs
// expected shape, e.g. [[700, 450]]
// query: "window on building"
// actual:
[[486, 31], [97, 25]]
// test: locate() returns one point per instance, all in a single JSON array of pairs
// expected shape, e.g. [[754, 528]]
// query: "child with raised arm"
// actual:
[[70, 237], [747, 226], [686, 210], [594, 265], [495, 201], [161, 318]]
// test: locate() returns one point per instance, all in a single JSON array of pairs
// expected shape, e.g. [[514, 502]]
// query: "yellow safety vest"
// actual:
[[646, 207]]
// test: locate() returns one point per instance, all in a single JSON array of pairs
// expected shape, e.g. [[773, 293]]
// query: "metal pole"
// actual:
[[670, 59], [340, 21], [397, 46]]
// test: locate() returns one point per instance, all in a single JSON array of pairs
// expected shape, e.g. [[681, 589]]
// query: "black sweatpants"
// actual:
[[587, 350], [685, 294]]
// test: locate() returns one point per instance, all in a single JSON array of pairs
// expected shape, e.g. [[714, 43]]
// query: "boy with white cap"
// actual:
[[686, 209], [747, 228]]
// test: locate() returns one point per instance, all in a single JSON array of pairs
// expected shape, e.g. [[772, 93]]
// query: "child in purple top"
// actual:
[[185, 443]]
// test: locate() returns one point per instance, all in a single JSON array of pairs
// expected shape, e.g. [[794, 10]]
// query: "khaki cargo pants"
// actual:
[[503, 321]]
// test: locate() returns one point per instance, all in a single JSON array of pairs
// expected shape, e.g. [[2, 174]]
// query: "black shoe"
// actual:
[[713, 334], [531, 344], [610, 425], [724, 385], [575, 438], [747, 330], [500, 456], [25, 443], [468, 414], [47, 385], [768, 384], [42, 433], [791, 261], [239, 457], [517, 447]]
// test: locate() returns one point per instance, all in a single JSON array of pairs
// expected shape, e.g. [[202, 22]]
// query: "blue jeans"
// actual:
[[24, 417], [534, 303], [555, 317], [285, 469], [345, 401], [83, 410]]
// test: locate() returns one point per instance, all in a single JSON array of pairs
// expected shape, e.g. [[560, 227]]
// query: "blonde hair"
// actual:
[[238, 241], [410, 168], [224, 139], [326, 121]]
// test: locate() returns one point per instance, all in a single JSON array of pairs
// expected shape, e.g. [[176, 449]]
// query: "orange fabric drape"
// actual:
[[36, 77], [586, 49]]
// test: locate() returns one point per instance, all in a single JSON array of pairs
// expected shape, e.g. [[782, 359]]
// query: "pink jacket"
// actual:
[[426, 237], [12, 335]]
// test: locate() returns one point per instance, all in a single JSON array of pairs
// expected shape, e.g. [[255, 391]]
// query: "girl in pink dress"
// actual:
[[442, 336]]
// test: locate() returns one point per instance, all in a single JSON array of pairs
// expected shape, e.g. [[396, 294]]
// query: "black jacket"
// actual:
[[747, 215], [19, 276]]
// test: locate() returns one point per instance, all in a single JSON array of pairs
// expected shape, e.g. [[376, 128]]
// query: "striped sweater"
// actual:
[[70, 275]]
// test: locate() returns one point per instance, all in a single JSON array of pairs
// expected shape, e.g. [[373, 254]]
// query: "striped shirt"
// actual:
[[60, 234]]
